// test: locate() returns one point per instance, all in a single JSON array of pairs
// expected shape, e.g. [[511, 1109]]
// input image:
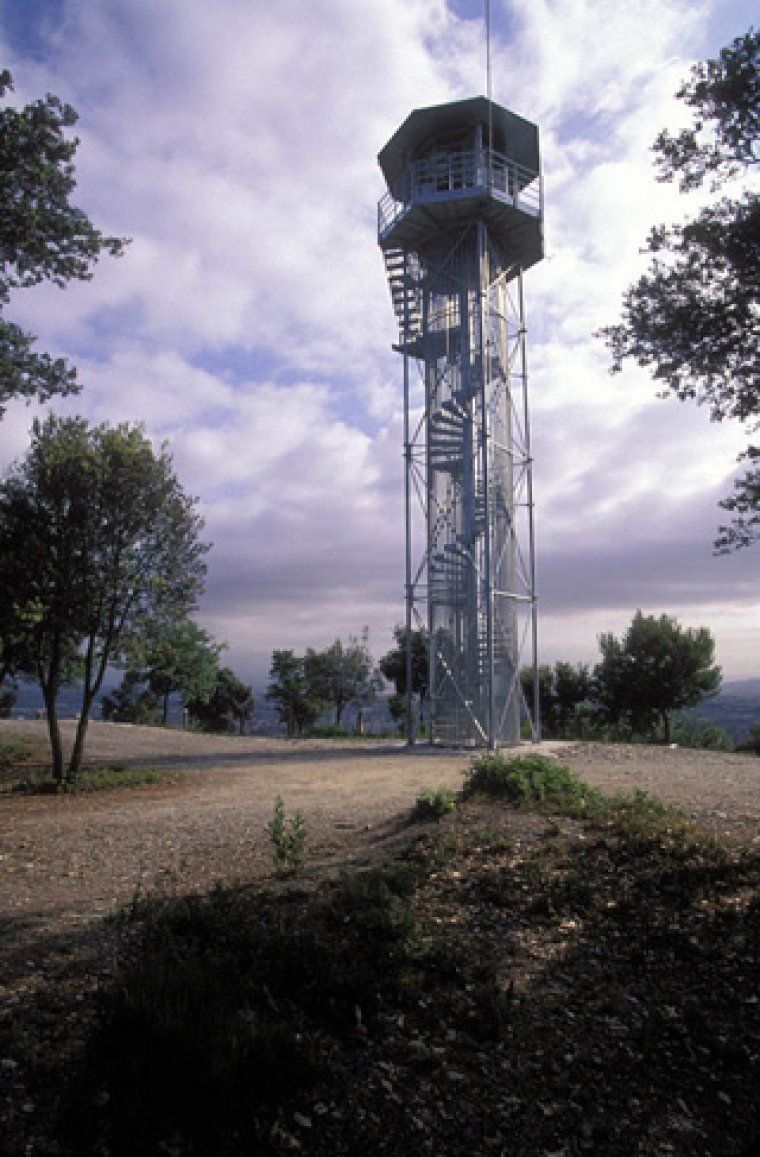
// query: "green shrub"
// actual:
[[531, 781], [433, 804], [96, 779], [105, 778], [329, 731], [751, 741], [288, 839], [12, 754], [694, 731]]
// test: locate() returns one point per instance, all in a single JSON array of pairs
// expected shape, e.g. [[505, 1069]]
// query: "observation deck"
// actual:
[[463, 161]]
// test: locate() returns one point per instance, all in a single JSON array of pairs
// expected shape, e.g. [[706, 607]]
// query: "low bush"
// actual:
[[96, 779], [433, 804], [531, 781], [106, 778], [695, 731], [12, 754], [751, 742]]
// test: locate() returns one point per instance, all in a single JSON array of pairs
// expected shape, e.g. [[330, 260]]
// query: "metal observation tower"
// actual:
[[459, 224]]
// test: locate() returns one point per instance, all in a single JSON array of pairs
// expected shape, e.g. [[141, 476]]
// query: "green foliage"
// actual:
[[178, 658], [43, 237], [693, 731], [288, 838], [12, 754], [290, 692], [98, 543], [724, 94], [433, 804], [341, 675], [229, 706], [530, 781], [329, 731], [302, 687], [131, 701], [98, 779], [693, 316], [393, 667], [565, 692], [8, 696], [752, 741], [655, 669]]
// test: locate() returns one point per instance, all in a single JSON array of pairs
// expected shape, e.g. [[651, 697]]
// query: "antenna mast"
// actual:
[[489, 92]]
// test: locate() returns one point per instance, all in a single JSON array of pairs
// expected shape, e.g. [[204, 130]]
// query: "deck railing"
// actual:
[[461, 174]]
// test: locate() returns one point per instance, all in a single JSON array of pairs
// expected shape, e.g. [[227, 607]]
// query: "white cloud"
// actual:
[[249, 321]]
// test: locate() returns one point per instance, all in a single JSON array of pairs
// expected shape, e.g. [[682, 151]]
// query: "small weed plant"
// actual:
[[288, 838], [433, 804]]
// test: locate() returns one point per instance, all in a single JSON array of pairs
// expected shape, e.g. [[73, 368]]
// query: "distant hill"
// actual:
[[29, 705], [735, 708]]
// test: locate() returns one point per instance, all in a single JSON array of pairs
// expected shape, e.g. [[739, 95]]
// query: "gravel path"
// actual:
[[65, 860]]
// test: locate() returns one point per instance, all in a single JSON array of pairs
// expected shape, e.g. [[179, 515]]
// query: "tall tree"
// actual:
[[180, 658], [229, 705], [563, 690], [393, 668], [43, 237], [175, 658], [694, 316], [655, 669], [132, 701], [573, 688], [289, 690], [342, 674], [547, 702], [97, 540]]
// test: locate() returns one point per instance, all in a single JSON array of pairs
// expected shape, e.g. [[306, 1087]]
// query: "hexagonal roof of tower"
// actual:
[[518, 137]]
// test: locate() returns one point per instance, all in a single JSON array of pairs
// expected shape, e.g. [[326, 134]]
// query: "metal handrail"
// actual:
[[460, 174]]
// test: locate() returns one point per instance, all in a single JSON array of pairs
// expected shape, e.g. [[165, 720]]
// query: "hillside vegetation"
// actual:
[[545, 971]]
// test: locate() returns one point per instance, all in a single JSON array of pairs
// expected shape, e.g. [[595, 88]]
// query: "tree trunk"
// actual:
[[54, 731], [75, 762], [165, 716]]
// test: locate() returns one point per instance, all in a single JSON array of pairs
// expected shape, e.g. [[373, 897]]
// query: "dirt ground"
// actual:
[[66, 860]]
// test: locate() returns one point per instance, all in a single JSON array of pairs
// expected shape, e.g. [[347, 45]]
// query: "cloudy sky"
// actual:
[[249, 321]]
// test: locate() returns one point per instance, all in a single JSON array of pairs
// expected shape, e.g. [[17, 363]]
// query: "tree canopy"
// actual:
[[43, 236], [98, 544], [289, 690], [655, 669], [393, 664], [565, 693], [168, 658], [229, 706], [694, 317], [181, 658], [342, 674]]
